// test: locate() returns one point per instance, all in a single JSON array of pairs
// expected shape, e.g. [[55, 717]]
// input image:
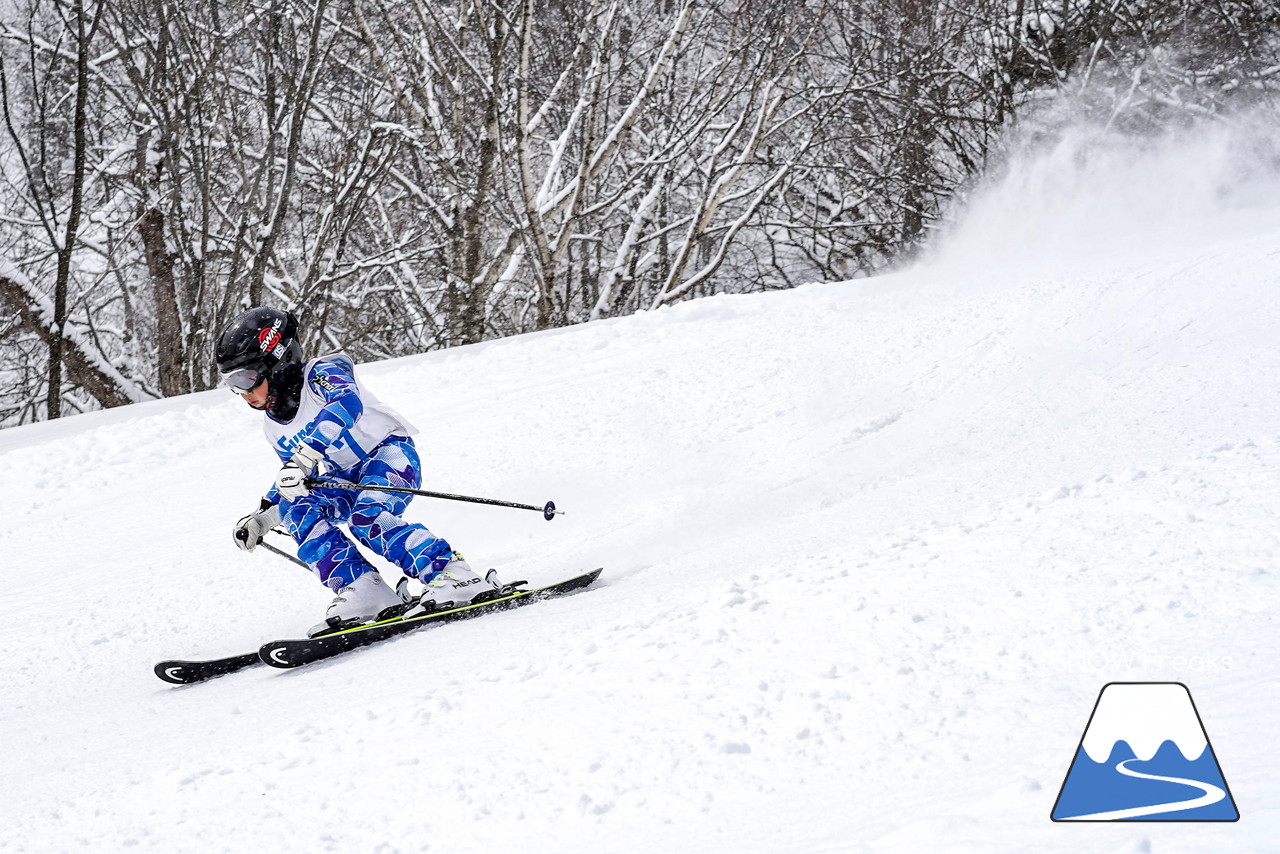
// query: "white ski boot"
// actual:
[[361, 601], [454, 586]]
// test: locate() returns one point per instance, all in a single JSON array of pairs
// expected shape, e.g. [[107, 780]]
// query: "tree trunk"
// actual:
[[169, 332], [53, 401]]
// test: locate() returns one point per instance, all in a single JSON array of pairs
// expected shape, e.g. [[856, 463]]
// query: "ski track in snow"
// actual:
[[870, 550]]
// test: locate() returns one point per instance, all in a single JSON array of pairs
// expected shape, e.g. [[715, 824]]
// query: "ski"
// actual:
[[294, 653], [297, 652], [177, 672]]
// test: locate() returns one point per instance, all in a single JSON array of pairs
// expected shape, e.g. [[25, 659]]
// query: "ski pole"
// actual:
[[548, 510], [284, 554]]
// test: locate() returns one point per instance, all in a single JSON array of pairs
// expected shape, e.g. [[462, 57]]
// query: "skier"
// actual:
[[316, 413]]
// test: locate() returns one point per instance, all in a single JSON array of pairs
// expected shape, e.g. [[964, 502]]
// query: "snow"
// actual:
[[871, 550]]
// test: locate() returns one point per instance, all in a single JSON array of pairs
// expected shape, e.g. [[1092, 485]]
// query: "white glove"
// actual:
[[291, 480], [250, 530]]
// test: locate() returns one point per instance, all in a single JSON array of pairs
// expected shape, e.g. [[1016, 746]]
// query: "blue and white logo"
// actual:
[[1145, 756]]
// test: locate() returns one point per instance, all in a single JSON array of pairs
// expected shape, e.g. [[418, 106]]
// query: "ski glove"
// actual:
[[250, 530], [291, 480]]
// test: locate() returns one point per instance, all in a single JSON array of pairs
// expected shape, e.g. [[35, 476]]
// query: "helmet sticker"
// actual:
[[269, 339]]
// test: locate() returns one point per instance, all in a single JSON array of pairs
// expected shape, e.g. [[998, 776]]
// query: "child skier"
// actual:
[[316, 413]]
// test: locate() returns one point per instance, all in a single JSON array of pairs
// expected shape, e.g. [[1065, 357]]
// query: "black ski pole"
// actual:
[[284, 554], [548, 510]]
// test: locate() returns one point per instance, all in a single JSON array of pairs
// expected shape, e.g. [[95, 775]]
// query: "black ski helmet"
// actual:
[[263, 344]]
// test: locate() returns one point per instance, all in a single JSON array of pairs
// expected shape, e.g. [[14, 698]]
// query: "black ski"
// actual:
[[295, 653], [186, 672]]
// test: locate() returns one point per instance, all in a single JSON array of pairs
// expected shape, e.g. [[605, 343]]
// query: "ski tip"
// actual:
[[584, 580], [172, 672], [178, 672]]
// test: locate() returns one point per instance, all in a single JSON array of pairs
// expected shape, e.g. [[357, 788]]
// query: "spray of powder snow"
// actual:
[[1097, 196]]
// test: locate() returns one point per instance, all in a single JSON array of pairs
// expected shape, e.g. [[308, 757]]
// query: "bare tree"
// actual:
[[52, 148], [419, 174], [255, 153]]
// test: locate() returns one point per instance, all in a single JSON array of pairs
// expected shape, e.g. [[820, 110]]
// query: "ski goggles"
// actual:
[[243, 380]]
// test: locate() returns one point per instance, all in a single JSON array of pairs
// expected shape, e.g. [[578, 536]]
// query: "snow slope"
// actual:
[[871, 551]]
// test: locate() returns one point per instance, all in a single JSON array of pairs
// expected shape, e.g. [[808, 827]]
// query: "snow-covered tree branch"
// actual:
[[413, 175]]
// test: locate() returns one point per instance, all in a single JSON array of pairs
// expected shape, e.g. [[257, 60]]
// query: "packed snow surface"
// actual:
[[871, 551]]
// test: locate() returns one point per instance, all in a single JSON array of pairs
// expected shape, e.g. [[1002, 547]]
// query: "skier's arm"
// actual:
[[341, 408]]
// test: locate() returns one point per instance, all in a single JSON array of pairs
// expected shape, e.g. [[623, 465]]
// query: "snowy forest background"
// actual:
[[408, 175]]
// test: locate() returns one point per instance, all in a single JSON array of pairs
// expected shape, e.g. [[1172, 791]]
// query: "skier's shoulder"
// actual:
[[332, 373], [340, 360]]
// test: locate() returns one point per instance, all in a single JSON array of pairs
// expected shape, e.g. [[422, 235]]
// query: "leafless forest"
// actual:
[[409, 174]]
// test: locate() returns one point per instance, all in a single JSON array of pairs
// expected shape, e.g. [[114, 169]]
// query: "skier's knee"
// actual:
[[367, 518], [306, 524]]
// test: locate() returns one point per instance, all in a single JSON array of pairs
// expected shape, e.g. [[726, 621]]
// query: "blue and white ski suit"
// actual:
[[363, 441]]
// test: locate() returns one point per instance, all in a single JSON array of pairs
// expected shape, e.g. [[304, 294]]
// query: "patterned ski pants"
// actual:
[[373, 517]]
